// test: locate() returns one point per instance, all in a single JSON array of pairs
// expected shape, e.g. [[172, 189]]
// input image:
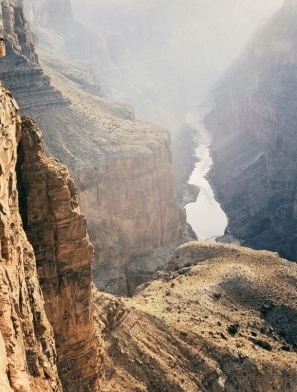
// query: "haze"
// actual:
[[174, 51]]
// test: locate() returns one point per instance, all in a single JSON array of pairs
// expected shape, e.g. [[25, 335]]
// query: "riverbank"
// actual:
[[204, 214]]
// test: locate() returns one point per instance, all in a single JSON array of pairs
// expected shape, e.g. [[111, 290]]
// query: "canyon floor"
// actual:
[[220, 318]]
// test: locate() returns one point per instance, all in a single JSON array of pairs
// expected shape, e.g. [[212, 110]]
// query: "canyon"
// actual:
[[218, 318], [200, 316], [254, 150]]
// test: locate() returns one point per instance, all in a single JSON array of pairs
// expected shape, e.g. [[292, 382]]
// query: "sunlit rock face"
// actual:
[[255, 141], [57, 230], [28, 354]]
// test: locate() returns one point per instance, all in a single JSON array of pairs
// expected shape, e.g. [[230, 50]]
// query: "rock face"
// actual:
[[254, 129], [131, 210], [28, 354], [223, 318], [57, 230]]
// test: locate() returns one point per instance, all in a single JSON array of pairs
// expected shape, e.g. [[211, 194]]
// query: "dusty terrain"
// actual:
[[222, 318]]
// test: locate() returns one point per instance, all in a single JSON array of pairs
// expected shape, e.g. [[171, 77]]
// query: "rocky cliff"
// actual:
[[28, 353], [103, 146], [254, 129], [57, 231]]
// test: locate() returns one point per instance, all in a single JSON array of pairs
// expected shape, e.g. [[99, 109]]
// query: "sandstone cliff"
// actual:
[[57, 231], [28, 353], [254, 129], [103, 146], [223, 318]]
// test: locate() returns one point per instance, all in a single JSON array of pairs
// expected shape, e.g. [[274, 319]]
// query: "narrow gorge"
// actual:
[[254, 129], [204, 214]]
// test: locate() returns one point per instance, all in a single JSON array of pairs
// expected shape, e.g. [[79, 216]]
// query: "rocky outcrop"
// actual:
[[57, 231], [223, 318], [28, 353], [254, 149]]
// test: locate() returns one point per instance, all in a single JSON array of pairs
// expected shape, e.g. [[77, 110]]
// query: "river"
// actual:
[[205, 215]]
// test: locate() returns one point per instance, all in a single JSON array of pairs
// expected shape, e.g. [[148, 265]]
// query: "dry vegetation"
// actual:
[[221, 318]]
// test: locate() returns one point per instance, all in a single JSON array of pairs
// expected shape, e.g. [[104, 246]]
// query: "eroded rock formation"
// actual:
[[28, 353], [254, 129], [57, 230]]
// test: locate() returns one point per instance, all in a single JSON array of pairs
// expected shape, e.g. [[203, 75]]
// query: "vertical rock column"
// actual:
[[57, 230], [27, 348]]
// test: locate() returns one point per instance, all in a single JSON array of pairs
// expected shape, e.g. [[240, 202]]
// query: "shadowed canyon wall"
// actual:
[[254, 129], [131, 210], [103, 146]]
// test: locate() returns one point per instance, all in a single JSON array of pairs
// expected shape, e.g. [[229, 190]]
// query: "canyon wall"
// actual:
[[57, 231], [131, 210], [103, 146], [254, 129], [28, 353]]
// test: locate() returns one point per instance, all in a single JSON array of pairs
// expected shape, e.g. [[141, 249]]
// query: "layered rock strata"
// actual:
[[28, 353], [254, 129], [20, 70], [57, 231]]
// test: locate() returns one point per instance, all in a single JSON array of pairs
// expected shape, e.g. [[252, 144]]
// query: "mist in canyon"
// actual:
[[164, 58], [169, 54]]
